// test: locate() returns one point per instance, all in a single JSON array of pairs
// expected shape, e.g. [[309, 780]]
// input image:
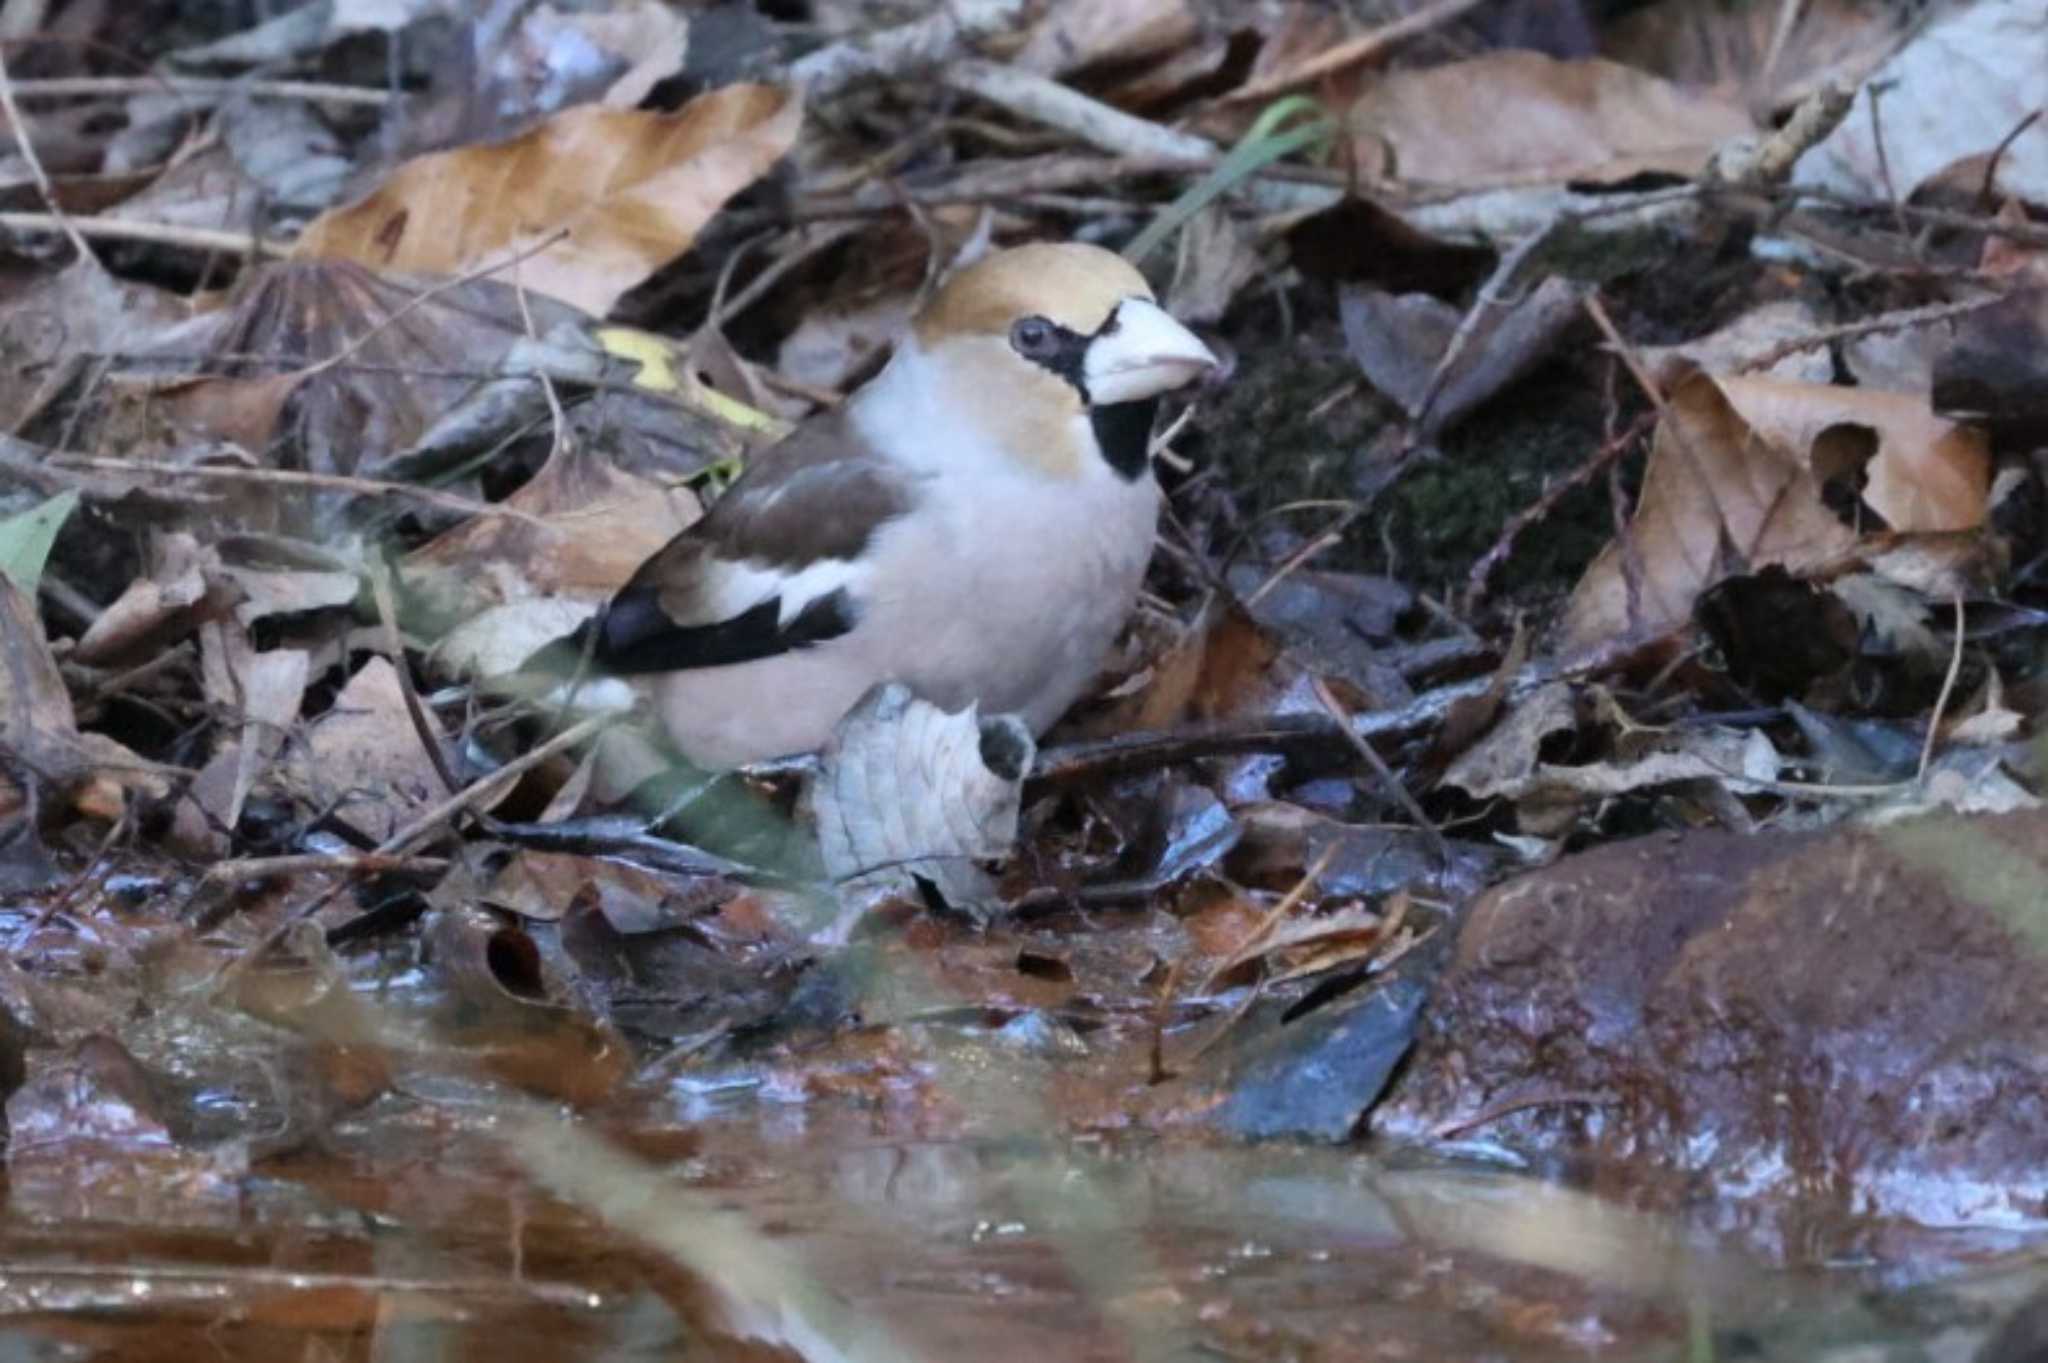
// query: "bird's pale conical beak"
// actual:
[[1145, 354]]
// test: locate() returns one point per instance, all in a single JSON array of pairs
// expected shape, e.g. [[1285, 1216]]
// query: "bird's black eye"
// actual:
[[1035, 338]]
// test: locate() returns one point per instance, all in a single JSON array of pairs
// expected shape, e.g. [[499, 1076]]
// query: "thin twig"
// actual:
[[2032, 234], [1990, 182], [485, 787], [78, 87], [1948, 686], [351, 863], [1903, 320], [1504, 545], [1379, 768], [1876, 89], [904, 50], [1271, 920], [1789, 12], [425, 296], [337, 482], [394, 648], [1044, 100], [203, 239], [1312, 733], [772, 273], [27, 144], [1497, 292]]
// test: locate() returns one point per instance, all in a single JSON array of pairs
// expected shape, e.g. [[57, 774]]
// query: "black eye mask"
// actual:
[[1123, 429]]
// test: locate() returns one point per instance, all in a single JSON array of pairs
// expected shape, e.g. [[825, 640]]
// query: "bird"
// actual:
[[974, 522]]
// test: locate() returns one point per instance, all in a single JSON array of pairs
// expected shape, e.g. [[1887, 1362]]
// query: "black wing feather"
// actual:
[[635, 635]]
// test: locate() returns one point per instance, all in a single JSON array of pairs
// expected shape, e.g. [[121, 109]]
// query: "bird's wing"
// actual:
[[776, 564]]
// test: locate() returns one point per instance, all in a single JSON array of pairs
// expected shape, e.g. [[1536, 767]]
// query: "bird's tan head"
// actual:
[[1070, 284], [1051, 341]]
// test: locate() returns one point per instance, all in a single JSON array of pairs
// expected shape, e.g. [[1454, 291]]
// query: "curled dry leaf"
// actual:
[[1541, 118], [1739, 467], [906, 790], [629, 190], [263, 689], [181, 586], [1735, 758]]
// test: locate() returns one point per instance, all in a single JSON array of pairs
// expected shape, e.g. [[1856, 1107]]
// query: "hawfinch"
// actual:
[[973, 522]]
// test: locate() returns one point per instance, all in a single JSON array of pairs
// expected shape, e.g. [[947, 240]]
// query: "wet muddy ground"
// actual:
[[460, 1185]]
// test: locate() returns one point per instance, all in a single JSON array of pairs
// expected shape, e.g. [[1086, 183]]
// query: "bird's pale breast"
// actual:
[[1008, 593]]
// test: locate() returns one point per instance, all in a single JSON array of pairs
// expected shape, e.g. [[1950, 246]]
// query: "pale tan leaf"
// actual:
[[1928, 473], [1538, 119], [629, 190], [1737, 469]]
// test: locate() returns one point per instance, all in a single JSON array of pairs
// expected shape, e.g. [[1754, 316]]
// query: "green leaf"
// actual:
[[1261, 145], [25, 540]]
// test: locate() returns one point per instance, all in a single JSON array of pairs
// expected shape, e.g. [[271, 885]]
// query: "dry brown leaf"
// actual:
[[596, 524], [831, 347], [36, 717], [413, 357], [38, 724], [1738, 53], [58, 322], [1737, 469], [1928, 473], [1309, 944], [1083, 33], [363, 757], [1734, 758], [1995, 371], [1220, 666], [630, 189], [263, 689], [1540, 119], [180, 588], [1507, 756]]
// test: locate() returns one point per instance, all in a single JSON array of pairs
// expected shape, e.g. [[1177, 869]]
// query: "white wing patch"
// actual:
[[743, 586]]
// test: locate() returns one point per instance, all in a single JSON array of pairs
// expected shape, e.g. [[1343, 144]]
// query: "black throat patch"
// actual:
[[1124, 431]]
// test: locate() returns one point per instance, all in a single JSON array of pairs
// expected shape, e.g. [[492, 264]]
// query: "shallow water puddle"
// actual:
[[828, 1232]]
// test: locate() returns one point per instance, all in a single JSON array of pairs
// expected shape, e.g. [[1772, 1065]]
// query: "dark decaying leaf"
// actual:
[[1995, 375], [1400, 344], [1778, 636]]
